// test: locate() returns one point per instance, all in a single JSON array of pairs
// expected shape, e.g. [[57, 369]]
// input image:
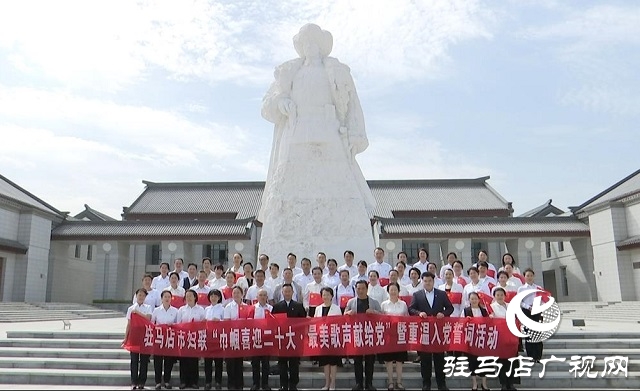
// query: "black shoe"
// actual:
[[370, 388], [183, 386], [426, 388], [254, 388], [207, 386], [266, 388], [443, 388], [218, 386], [167, 386], [357, 387], [158, 386], [294, 388], [282, 389]]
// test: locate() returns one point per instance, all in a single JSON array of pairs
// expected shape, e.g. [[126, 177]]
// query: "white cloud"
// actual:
[[599, 48], [72, 151], [109, 45]]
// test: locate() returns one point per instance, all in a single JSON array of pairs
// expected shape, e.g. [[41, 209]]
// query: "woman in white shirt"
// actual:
[[236, 268], [416, 284], [433, 268], [313, 288], [397, 307], [517, 281], [247, 279], [218, 280], [375, 291], [454, 292], [214, 312], [504, 283], [475, 310], [190, 312], [332, 278], [233, 311], [206, 266], [329, 363], [165, 314], [139, 362], [508, 259], [153, 296], [177, 292], [499, 307], [458, 275], [475, 285], [534, 349]]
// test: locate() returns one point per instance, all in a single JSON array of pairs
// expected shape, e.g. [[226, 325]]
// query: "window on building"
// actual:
[[77, 251], [563, 278], [547, 246], [636, 265], [560, 246], [411, 247], [475, 249], [218, 252], [154, 254], [89, 252]]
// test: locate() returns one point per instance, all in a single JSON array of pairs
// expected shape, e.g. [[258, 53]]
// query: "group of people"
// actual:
[[326, 289]]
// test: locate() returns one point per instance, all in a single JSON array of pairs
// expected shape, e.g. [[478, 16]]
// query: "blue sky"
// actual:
[[543, 96]]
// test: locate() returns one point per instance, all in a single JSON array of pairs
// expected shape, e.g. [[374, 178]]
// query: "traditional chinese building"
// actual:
[[49, 255]]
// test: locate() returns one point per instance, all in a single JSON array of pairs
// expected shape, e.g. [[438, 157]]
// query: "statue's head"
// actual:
[[312, 40]]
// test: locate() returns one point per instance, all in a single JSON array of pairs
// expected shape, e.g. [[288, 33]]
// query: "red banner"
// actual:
[[383, 281], [491, 273], [519, 277], [486, 300], [510, 295], [462, 281], [334, 335]]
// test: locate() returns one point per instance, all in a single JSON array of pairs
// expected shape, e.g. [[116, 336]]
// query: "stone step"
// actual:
[[65, 335], [314, 380], [122, 364]]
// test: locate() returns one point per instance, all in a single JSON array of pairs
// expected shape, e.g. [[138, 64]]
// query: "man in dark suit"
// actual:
[[424, 303], [289, 366]]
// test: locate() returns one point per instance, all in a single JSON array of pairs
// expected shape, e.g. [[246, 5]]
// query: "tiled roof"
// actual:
[[13, 246], [92, 215], [627, 186], [435, 195], [631, 242], [543, 210], [12, 191], [494, 226], [244, 198], [144, 229]]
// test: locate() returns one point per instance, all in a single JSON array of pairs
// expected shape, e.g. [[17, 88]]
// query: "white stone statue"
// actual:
[[315, 198]]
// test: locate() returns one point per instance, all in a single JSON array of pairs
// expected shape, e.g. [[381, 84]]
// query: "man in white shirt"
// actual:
[[178, 264], [202, 289], [162, 281], [379, 265], [139, 362], [304, 278], [534, 350], [292, 261], [251, 297], [321, 260], [260, 377], [263, 263], [362, 273], [313, 287], [348, 264], [274, 276]]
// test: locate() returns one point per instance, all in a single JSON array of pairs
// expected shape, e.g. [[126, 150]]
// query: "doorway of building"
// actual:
[[549, 281]]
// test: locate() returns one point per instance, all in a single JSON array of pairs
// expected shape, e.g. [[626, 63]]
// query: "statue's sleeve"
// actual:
[[355, 119], [270, 110]]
